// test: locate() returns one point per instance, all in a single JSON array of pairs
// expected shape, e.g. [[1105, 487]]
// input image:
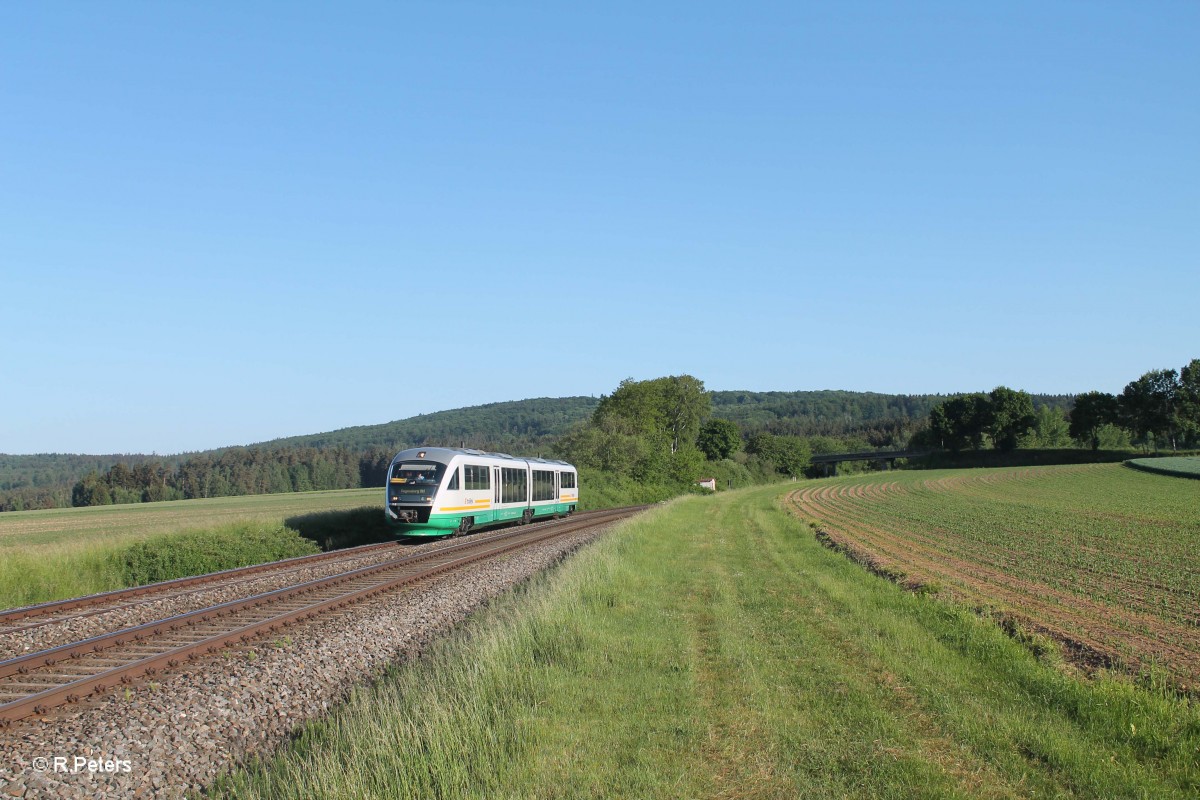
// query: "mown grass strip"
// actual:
[[715, 649]]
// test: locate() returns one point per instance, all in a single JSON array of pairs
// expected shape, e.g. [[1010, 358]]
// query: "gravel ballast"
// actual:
[[128, 613], [164, 738]]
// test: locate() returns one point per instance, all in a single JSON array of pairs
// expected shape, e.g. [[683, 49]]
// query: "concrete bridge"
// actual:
[[887, 459]]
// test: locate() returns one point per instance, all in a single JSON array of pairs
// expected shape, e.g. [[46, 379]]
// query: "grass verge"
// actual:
[[714, 648]]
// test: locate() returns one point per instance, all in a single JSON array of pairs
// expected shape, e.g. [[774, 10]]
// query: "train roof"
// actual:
[[449, 452]]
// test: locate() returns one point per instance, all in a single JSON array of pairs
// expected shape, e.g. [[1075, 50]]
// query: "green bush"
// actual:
[[196, 552], [600, 489], [333, 530]]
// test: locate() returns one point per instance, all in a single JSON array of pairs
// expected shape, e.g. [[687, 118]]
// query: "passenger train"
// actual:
[[439, 491]]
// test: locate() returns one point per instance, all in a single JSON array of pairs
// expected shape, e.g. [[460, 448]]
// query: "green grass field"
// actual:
[[714, 648], [22, 529], [58, 553]]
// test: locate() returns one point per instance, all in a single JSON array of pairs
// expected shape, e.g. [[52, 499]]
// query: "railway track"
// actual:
[[35, 683], [21, 628]]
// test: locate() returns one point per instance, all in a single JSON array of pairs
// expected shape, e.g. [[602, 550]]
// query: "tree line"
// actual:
[[827, 420], [1161, 409], [236, 471], [666, 430]]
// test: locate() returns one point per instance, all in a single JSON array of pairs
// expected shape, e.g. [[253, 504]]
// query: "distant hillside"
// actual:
[[45, 480], [521, 427], [524, 427], [518, 425], [835, 412], [824, 413]]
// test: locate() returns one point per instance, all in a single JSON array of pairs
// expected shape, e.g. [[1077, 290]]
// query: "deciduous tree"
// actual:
[[1010, 416], [961, 422], [719, 438], [1092, 411], [1050, 429], [1188, 400], [1148, 405]]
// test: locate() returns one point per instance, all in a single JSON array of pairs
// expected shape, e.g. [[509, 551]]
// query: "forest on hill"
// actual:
[[44, 480], [518, 425], [332, 460], [878, 420], [662, 433]]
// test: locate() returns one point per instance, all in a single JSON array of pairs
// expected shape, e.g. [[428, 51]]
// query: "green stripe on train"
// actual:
[[443, 524]]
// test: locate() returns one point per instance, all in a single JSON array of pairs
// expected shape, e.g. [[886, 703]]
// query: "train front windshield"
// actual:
[[414, 482]]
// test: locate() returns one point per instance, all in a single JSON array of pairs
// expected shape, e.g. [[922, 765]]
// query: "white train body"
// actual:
[[435, 491]]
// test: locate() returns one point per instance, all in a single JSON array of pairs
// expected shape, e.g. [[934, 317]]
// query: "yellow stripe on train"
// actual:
[[476, 507]]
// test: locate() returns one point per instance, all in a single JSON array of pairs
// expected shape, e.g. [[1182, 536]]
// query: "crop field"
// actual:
[[1178, 466], [23, 529], [1102, 558], [58, 553]]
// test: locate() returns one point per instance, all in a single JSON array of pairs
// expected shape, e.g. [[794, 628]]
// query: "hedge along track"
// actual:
[[33, 684], [60, 611]]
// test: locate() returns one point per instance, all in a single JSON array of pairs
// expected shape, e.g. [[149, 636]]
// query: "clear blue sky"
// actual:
[[222, 223]]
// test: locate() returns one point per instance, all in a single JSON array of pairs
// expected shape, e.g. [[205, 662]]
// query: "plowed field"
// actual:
[[1101, 557]]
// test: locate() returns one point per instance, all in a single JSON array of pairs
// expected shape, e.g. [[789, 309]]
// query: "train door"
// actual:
[[496, 486]]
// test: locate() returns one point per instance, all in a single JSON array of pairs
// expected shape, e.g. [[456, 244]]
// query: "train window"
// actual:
[[416, 473], [476, 478], [543, 485], [568, 480], [513, 486], [415, 482], [453, 482]]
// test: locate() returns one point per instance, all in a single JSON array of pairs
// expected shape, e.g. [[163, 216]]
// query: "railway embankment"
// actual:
[[171, 733]]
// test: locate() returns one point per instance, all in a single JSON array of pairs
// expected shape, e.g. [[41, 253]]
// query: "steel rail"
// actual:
[[40, 698]]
